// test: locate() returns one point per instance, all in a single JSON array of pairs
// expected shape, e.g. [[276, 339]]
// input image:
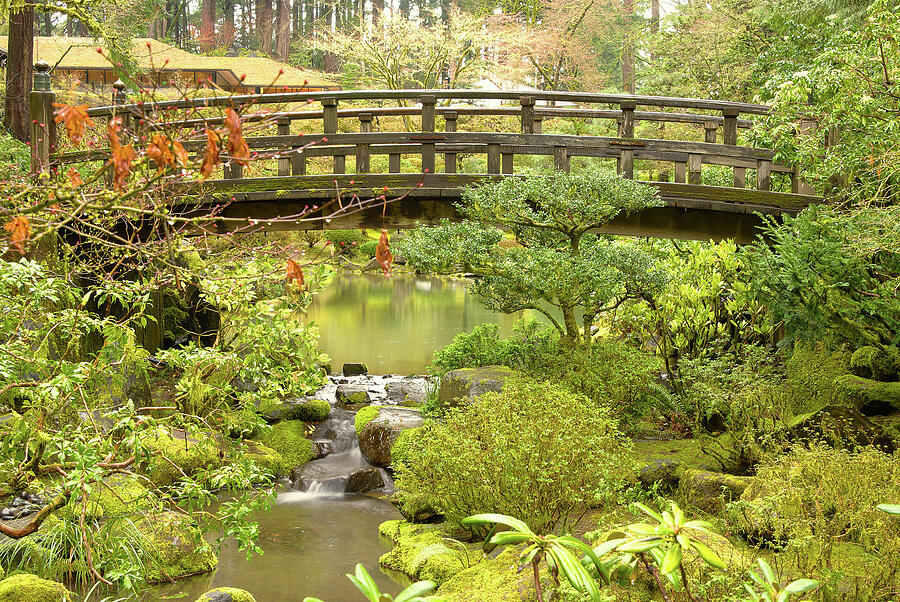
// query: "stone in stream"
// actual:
[[322, 449], [226, 594], [406, 392], [355, 369], [308, 409], [352, 395], [463, 385], [378, 435], [363, 480]]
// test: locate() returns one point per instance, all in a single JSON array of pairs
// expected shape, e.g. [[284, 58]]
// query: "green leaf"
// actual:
[[415, 590], [484, 519], [648, 511], [643, 529], [673, 558], [509, 538], [889, 508], [708, 556], [801, 585], [767, 571], [640, 545], [608, 546], [365, 584]]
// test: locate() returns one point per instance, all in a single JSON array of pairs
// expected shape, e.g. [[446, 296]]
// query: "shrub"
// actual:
[[368, 248], [534, 450], [345, 239], [481, 347]]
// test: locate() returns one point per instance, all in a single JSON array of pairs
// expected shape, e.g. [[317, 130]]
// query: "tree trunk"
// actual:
[[654, 22], [69, 26], [207, 24], [297, 16], [19, 72], [283, 29], [264, 25], [48, 25], [228, 26], [628, 48]]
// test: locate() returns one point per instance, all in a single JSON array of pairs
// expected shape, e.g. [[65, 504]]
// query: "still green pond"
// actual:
[[395, 324]]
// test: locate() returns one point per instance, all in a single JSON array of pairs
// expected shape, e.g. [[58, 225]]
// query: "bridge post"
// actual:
[[362, 150], [527, 103], [627, 130], [806, 126], [538, 124], [680, 172], [493, 158], [763, 175], [561, 158], [43, 127], [729, 137], [330, 126], [693, 168], [428, 101], [450, 126], [284, 162], [626, 163], [711, 128]]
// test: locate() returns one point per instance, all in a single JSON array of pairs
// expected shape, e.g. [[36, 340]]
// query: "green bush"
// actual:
[[535, 451], [481, 347], [344, 240], [368, 248]]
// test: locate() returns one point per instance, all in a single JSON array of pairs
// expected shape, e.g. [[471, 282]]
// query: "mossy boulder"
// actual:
[[363, 417], [710, 491], [174, 453], [420, 552], [352, 395], [309, 409], [378, 435], [265, 457], [226, 594], [25, 587], [870, 397], [355, 369], [174, 548], [661, 463], [410, 393], [461, 386], [877, 363], [288, 438], [840, 427], [811, 371], [118, 495]]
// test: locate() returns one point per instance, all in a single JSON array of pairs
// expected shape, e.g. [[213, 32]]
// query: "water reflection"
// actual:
[[395, 324]]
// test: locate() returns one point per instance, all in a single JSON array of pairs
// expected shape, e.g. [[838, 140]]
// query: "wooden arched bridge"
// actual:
[[423, 146]]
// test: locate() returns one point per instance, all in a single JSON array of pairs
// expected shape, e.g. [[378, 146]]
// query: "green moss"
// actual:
[[811, 372], [420, 553], [236, 595], [400, 451], [364, 417], [118, 495], [171, 456], [313, 410], [877, 363], [356, 398], [687, 452], [174, 547], [31, 588], [266, 457], [709, 491], [288, 438], [859, 393]]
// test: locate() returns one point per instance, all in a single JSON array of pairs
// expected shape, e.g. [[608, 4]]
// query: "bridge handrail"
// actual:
[[724, 106]]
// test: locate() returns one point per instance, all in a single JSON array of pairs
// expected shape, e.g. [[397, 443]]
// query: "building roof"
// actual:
[[81, 53]]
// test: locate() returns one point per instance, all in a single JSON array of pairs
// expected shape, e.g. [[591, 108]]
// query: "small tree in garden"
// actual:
[[555, 260]]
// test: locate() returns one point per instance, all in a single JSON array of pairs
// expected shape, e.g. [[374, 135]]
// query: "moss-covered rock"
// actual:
[[309, 409], [288, 439], [352, 395], [811, 372], [710, 491], [355, 369], [174, 548], [118, 495], [662, 462], [841, 427], [463, 385], [25, 587], [377, 437], [364, 417], [869, 396], [419, 552], [226, 594], [877, 363], [175, 453], [265, 457]]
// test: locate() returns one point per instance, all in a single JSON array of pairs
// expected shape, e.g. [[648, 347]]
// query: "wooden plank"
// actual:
[[680, 172], [394, 163], [627, 129], [506, 160], [693, 165], [740, 177], [626, 164], [764, 175], [493, 158], [561, 158], [450, 118], [284, 161], [527, 119], [298, 163]]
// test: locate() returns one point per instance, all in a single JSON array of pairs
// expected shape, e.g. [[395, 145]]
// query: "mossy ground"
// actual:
[[421, 552], [173, 453], [174, 548], [31, 588], [117, 496]]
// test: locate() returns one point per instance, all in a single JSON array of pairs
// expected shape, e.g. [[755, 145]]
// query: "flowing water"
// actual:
[[395, 324]]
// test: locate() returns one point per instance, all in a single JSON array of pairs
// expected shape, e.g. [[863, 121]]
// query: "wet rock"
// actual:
[[97, 418], [355, 369], [322, 449], [463, 385], [406, 392], [308, 409], [352, 395], [378, 436], [364, 479], [226, 594], [710, 491]]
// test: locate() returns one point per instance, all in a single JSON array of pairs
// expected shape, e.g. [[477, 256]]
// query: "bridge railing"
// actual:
[[529, 108]]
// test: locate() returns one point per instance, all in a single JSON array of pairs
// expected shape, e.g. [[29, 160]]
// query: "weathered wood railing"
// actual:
[[530, 108]]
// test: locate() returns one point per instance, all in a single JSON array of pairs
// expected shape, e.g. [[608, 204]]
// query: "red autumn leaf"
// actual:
[[237, 146], [121, 155], [166, 152], [74, 178], [211, 154], [383, 253], [19, 231], [295, 273], [75, 118]]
